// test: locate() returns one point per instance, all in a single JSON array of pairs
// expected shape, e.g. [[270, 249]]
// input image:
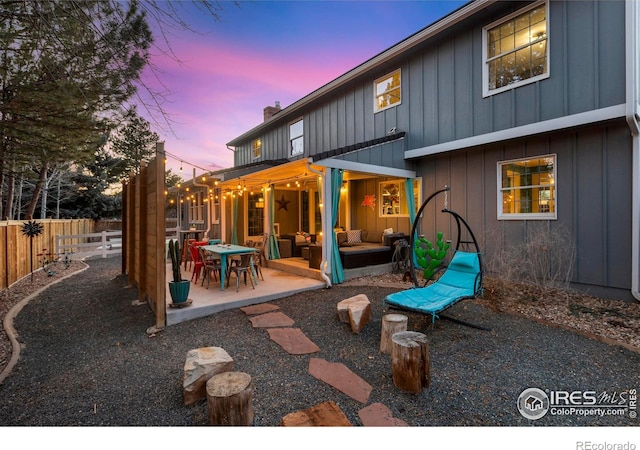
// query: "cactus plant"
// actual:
[[174, 252], [429, 257], [178, 288]]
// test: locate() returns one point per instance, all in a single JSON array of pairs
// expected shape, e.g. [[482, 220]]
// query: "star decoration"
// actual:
[[282, 203], [369, 200]]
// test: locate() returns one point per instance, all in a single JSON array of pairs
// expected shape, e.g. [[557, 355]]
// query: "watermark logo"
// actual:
[[534, 403]]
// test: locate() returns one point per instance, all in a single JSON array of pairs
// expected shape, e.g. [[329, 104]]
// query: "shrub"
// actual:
[[545, 257]]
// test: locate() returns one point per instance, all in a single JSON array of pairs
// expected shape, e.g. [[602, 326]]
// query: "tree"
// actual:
[[133, 142], [67, 66]]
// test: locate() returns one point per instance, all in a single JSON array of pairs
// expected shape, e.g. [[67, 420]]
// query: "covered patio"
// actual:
[[311, 197]]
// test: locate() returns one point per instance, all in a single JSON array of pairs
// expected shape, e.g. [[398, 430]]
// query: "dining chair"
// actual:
[[241, 268], [257, 261], [211, 265], [197, 262], [262, 246]]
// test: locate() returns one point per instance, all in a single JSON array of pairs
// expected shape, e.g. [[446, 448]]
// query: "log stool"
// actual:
[[230, 399], [410, 361], [391, 324]]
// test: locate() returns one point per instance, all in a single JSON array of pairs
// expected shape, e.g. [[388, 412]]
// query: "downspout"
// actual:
[[324, 265], [195, 183], [632, 21]]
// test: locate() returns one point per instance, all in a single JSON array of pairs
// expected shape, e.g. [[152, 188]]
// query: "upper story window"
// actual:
[[257, 148], [527, 188], [296, 138], [516, 50], [387, 91]]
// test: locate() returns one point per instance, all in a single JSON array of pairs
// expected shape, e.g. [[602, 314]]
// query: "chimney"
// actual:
[[270, 111]]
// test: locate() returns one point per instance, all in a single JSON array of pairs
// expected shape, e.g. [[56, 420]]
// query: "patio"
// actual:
[[277, 283]]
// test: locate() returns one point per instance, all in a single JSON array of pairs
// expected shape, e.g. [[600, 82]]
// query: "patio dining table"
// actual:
[[225, 250]]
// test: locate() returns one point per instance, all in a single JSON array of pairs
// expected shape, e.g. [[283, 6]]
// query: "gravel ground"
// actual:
[[87, 361]]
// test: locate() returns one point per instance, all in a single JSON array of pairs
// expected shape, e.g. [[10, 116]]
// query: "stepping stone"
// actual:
[[327, 414], [378, 415], [293, 341], [340, 377], [259, 309], [271, 320]]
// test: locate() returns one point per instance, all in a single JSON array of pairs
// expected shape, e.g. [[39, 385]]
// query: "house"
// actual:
[[527, 110]]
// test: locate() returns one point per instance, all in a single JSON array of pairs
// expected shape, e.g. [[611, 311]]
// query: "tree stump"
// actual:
[[391, 324], [230, 399], [410, 361]]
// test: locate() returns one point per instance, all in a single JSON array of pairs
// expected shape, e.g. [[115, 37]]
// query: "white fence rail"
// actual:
[[105, 240]]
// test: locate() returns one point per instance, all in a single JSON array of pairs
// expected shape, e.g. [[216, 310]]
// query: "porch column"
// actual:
[[327, 220]]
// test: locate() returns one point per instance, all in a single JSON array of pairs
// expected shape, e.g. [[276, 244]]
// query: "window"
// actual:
[[527, 188], [255, 214], [392, 198], [387, 91], [296, 138], [196, 208], [257, 148], [516, 50]]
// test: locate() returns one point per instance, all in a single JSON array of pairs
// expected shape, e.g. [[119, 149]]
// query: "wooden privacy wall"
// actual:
[[15, 262], [143, 232]]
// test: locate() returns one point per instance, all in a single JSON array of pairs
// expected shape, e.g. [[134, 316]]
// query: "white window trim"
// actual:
[[291, 154], [253, 153], [403, 197], [526, 216], [375, 97], [486, 92]]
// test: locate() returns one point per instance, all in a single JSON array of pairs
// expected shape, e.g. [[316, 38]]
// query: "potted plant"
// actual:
[[178, 288]]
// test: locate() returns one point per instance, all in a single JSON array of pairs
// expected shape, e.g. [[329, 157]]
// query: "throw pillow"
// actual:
[[354, 236], [342, 238]]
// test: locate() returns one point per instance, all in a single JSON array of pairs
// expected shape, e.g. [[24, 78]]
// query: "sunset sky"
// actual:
[[260, 52]]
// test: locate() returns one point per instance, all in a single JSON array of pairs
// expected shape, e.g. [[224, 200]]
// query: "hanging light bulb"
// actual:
[[180, 166]]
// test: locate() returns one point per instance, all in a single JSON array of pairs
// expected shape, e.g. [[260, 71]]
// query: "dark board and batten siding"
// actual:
[[593, 197], [442, 86], [587, 67]]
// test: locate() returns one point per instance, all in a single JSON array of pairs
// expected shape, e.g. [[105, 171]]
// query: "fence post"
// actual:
[[104, 243]]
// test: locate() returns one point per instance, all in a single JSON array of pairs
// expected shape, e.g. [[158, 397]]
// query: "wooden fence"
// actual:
[[102, 241], [143, 232], [16, 251]]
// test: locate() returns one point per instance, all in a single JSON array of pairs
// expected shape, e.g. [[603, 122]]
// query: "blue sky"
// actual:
[[260, 52]]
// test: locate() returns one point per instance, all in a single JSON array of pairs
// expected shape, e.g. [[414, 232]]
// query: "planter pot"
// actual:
[[179, 290]]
